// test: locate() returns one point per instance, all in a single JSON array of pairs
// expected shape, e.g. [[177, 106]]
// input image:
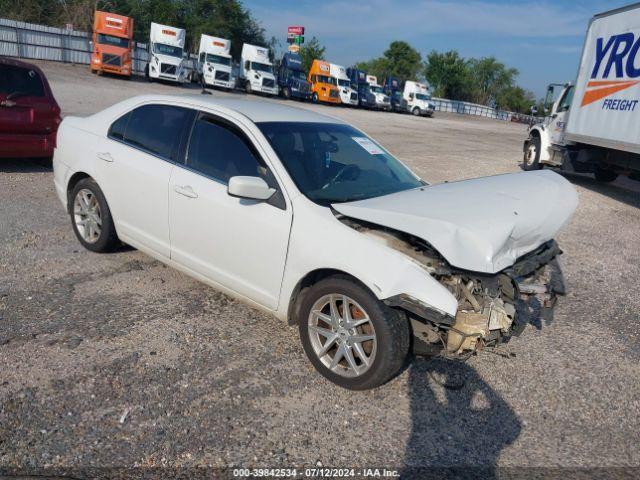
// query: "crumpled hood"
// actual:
[[484, 224]]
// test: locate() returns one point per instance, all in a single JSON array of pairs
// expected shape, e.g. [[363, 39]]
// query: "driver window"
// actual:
[[565, 103]]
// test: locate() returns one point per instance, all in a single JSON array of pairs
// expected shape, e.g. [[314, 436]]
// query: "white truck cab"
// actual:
[[348, 95], [383, 102], [214, 62], [418, 99], [256, 70], [166, 53]]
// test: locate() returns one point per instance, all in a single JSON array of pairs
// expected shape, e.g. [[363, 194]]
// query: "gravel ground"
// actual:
[[118, 361]]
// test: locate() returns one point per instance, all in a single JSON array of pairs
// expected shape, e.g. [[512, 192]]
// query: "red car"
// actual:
[[29, 115]]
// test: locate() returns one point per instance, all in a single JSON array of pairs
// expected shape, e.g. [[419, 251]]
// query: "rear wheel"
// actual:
[[314, 97], [531, 159], [605, 175], [351, 337], [91, 218]]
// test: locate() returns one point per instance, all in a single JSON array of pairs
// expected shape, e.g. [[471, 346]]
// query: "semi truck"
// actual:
[[417, 99], [348, 95], [256, 70], [112, 44], [292, 80], [593, 124], [214, 62], [392, 87], [324, 88], [366, 99], [383, 102], [166, 54]]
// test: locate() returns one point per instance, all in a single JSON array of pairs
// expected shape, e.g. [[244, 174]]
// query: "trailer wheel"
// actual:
[[605, 175], [531, 159]]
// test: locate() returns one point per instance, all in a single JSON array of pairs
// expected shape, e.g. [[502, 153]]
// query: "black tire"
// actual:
[[605, 175], [391, 329], [314, 97], [247, 87], [416, 112], [531, 160], [107, 239], [286, 93]]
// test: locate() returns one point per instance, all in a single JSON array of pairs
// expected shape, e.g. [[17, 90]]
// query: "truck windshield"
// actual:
[[104, 39], [344, 83], [163, 49], [219, 59], [376, 89], [333, 163], [422, 96], [325, 79], [261, 67], [299, 74]]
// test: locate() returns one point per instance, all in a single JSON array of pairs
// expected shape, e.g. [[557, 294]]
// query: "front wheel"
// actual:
[[531, 159], [286, 93], [605, 175], [314, 97], [351, 337], [91, 218]]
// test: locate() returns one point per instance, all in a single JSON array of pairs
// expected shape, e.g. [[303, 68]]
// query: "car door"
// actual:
[[238, 243], [135, 164], [559, 118]]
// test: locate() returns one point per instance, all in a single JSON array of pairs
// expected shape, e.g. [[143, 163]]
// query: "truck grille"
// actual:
[[304, 88], [385, 99], [268, 82], [224, 76], [167, 69], [114, 60], [354, 96], [334, 93]]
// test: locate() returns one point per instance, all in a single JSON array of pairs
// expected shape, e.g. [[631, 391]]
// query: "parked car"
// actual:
[[29, 114], [374, 261]]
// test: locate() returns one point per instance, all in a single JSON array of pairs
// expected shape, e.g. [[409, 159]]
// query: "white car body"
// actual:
[[215, 74], [348, 95], [167, 67], [262, 253], [258, 80], [410, 92], [383, 101]]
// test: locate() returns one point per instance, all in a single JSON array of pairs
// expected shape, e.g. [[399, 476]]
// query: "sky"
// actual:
[[542, 39]]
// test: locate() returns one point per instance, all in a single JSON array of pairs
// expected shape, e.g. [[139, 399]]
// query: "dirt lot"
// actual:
[[85, 338]]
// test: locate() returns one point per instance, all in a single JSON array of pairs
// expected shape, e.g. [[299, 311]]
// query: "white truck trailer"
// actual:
[[594, 125], [383, 102], [348, 95], [256, 70], [214, 62], [418, 99], [166, 54]]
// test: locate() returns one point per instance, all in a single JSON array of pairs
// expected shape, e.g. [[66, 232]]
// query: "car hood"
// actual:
[[484, 224]]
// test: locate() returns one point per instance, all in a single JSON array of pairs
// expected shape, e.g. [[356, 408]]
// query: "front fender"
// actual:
[[545, 141]]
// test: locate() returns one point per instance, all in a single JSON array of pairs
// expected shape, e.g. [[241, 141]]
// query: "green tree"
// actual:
[[310, 51], [399, 60], [515, 99], [490, 78], [449, 75]]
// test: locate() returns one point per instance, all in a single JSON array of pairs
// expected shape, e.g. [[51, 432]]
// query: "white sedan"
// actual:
[[306, 217]]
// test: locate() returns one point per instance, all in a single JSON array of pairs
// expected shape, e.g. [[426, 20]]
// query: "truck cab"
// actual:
[[366, 98], [392, 87], [166, 54], [348, 95], [292, 80], [383, 102], [214, 62], [418, 99], [324, 88], [112, 44], [256, 70]]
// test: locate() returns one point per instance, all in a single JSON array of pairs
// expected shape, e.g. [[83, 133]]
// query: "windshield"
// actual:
[[422, 96], [261, 67], [299, 74], [113, 41], [219, 59], [376, 89], [162, 49], [344, 83], [332, 163]]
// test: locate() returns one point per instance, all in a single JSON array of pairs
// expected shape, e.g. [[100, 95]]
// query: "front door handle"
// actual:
[[187, 191], [106, 156]]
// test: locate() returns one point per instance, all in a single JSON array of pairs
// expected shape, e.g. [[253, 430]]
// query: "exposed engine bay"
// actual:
[[491, 307]]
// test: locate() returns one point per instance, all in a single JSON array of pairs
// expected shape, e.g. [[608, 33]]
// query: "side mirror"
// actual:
[[254, 188]]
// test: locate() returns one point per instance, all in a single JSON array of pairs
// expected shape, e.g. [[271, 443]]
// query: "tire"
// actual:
[[531, 160], [605, 175], [247, 87], [415, 112], [107, 239], [386, 350], [286, 93], [314, 97]]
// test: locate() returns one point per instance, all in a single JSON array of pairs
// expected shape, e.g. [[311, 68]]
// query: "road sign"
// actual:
[[294, 48], [296, 30]]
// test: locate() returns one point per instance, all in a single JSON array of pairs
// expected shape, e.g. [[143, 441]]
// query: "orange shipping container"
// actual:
[[323, 86], [112, 44]]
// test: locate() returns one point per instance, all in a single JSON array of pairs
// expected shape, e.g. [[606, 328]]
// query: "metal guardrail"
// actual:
[[39, 42], [467, 108]]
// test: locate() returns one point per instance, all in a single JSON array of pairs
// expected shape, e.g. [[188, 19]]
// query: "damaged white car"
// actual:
[[308, 218]]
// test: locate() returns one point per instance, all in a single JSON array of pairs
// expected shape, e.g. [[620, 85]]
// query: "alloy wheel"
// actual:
[[87, 215]]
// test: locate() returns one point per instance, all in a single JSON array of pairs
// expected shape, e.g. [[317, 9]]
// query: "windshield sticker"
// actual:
[[368, 145]]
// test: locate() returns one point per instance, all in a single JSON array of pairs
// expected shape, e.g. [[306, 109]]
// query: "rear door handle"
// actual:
[[106, 156], [187, 191]]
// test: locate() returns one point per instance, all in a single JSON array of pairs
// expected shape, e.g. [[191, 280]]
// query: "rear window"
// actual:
[[19, 81]]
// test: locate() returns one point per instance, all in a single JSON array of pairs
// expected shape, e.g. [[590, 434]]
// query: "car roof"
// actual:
[[17, 63], [256, 110]]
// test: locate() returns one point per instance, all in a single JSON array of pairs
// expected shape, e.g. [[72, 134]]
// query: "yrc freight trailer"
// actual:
[[256, 70], [594, 124], [112, 44], [214, 62], [166, 53], [292, 79]]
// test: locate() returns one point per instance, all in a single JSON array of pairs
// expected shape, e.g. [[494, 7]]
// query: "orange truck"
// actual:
[[112, 44], [324, 87]]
